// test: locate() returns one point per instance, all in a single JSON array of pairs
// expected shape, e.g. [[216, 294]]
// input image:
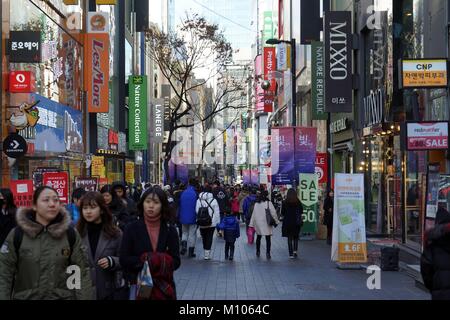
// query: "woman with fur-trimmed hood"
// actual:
[[35, 257]]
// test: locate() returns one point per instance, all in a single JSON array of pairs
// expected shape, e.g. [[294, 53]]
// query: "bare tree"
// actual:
[[198, 45]]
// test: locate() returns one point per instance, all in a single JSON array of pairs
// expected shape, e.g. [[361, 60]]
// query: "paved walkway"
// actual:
[[311, 276]]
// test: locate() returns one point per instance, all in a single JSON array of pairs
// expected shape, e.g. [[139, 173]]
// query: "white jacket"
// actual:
[[213, 208], [259, 220]]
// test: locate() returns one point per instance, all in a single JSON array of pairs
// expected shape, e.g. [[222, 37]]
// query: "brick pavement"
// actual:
[[311, 276]]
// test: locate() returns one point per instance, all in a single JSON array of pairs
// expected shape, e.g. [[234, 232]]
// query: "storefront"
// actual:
[[342, 156], [47, 112]]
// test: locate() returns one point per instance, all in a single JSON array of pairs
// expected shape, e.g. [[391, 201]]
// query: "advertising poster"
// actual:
[[322, 167], [305, 150], [138, 113], [349, 231], [309, 197], [23, 192], [283, 156], [60, 182], [424, 73], [98, 167], [129, 172], [87, 183], [37, 175], [427, 136], [433, 180]]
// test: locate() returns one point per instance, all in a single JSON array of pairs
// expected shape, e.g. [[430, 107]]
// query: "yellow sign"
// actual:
[[98, 167], [129, 172], [70, 2], [111, 2], [352, 252], [424, 73]]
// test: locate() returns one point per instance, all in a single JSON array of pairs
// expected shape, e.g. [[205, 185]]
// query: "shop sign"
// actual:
[[270, 61], [305, 149], [22, 82], [268, 29], [338, 61], [98, 167], [15, 146], [129, 172], [373, 108], [87, 183], [309, 197], [322, 167], [37, 175], [339, 125], [25, 46], [108, 2], [158, 121], [98, 22], [138, 113], [167, 113], [283, 57], [97, 72], [58, 181], [349, 230], [427, 135], [424, 73], [318, 81], [113, 140], [22, 191]]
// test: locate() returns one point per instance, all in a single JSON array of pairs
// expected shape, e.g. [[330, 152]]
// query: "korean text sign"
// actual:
[[60, 182]]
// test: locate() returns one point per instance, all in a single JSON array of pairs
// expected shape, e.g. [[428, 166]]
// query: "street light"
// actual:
[[294, 80]]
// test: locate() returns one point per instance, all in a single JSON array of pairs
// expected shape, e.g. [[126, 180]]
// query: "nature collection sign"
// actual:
[[349, 230], [138, 112], [308, 194]]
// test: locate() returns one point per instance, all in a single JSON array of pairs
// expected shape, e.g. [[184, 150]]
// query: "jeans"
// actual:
[[229, 249], [292, 245], [189, 234], [207, 237]]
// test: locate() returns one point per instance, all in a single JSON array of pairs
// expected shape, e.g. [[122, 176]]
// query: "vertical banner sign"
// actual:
[[22, 191], [259, 92], [318, 82], [138, 112], [158, 121], [98, 167], [322, 167], [305, 150], [270, 63], [167, 114], [97, 72], [87, 183], [254, 176], [349, 230], [268, 31], [308, 194], [60, 182], [282, 156], [338, 61], [129, 172]]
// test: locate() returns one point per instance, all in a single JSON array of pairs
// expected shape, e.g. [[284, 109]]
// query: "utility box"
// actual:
[[390, 259]]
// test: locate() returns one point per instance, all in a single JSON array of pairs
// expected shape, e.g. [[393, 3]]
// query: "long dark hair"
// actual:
[[291, 197], [263, 196], [167, 214], [116, 202], [96, 198], [10, 206]]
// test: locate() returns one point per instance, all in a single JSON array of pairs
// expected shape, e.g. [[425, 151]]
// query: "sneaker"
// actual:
[[207, 255], [295, 255], [291, 257]]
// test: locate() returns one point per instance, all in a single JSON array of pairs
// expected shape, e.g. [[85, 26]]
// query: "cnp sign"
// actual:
[[424, 73]]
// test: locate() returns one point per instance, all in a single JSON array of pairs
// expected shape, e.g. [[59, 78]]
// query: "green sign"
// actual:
[[308, 194], [268, 31], [318, 81], [138, 112]]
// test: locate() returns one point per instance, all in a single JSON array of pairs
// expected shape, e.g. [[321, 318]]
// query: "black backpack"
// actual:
[[18, 237], [203, 217]]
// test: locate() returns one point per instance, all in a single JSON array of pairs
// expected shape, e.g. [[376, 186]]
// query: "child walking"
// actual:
[[231, 231]]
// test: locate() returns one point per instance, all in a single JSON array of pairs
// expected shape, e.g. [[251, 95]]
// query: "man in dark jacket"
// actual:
[[223, 199], [121, 191], [435, 261]]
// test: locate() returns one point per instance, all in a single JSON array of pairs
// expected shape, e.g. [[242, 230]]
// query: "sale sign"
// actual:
[[22, 82], [60, 182], [308, 194], [322, 167], [427, 135], [22, 192]]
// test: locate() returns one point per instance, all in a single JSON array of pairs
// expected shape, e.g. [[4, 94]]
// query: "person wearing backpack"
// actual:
[[35, 258], [208, 216], [259, 218]]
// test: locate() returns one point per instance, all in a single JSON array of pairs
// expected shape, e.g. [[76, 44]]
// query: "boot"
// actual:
[[191, 252], [231, 254], [207, 252], [226, 254], [183, 247], [268, 256]]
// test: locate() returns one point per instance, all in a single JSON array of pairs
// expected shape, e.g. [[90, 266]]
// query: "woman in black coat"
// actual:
[[435, 261], [7, 213], [117, 206], [292, 211], [328, 215], [155, 239]]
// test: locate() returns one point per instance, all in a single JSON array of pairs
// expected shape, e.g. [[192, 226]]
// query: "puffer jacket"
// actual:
[[40, 272], [230, 226], [187, 212], [213, 208], [435, 260]]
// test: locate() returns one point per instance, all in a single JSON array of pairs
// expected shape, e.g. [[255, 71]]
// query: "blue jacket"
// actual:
[[188, 200], [230, 226], [247, 204], [74, 212]]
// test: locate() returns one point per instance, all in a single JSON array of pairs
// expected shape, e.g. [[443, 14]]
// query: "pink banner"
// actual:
[[259, 91]]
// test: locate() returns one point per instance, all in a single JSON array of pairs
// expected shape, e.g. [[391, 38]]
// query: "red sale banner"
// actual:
[[322, 167], [23, 192], [60, 182]]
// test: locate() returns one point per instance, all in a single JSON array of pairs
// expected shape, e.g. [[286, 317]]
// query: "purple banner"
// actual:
[[305, 150], [254, 176], [246, 176], [183, 173], [283, 156]]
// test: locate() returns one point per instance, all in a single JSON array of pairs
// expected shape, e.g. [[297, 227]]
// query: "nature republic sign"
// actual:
[[138, 112]]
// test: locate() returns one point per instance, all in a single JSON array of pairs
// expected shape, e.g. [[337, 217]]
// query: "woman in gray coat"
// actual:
[[102, 240]]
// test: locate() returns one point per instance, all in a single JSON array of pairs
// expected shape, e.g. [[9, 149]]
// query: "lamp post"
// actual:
[[292, 43]]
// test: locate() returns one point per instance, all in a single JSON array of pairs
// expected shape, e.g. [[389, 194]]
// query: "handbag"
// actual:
[[144, 283], [270, 220], [250, 235]]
